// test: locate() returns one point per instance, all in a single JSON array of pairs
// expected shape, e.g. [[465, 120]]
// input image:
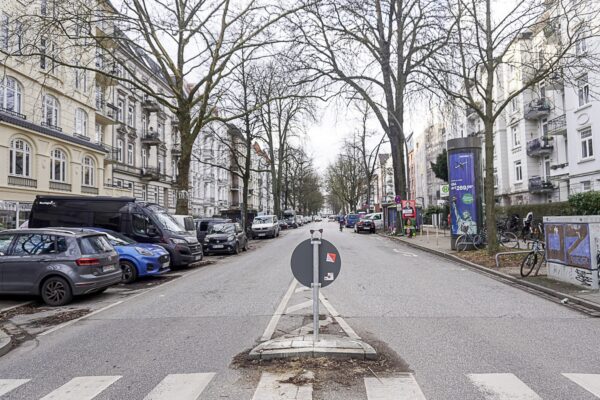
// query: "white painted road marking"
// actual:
[[403, 387], [82, 388], [298, 307], [7, 385], [405, 253], [590, 382], [271, 388], [343, 324], [180, 387], [503, 387], [268, 334]]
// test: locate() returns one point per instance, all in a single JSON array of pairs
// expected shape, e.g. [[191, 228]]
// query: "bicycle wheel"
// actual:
[[478, 242], [508, 240], [462, 243], [529, 263]]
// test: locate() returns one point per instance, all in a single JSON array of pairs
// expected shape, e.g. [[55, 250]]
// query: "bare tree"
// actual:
[[345, 178], [191, 45], [378, 49], [535, 41]]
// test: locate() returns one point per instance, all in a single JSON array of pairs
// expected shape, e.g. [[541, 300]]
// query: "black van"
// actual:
[[141, 221]]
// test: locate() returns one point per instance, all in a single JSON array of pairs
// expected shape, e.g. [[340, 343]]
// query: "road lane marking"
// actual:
[[399, 388], [73, 321], [82, 388], [268, 334], [270, 388], [404, 253], [503, 387], [590, 382], [300, 306], [16, 306], [7, 385], [302, 289], [180, 387], [341, 322]]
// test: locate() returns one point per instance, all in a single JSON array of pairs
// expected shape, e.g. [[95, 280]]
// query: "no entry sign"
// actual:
[[330, 263]]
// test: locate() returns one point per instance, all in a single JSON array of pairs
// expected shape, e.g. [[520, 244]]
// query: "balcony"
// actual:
[[150, 174], [22, 181], [558, 125], [126, 169], [106, 113], [105, 73], [150, 105], [540, 147], [151, 138], [50, 126], [89, 190], [539, 185], [537, 109], [12, 113], [63, 187]]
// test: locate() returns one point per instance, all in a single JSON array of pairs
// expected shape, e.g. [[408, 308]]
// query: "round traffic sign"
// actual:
[[329, 263], [398, 199]]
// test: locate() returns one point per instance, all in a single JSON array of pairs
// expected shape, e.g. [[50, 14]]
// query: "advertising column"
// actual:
[[466, 189]]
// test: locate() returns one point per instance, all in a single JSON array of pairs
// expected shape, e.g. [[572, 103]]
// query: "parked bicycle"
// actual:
[[505, 238], [464, 241], [535, 258]]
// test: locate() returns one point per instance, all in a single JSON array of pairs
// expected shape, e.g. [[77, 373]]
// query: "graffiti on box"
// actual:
[[568, 244]]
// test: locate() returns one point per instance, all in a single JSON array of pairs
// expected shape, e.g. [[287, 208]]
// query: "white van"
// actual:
[[265, 226]]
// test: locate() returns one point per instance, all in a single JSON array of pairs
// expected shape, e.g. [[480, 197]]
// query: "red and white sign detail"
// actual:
[[331, 257]]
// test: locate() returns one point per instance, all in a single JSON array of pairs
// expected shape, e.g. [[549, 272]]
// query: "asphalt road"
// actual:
[[454, 328]]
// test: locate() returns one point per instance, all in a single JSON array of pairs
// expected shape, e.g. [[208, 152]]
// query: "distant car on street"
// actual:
[[283, 225], [228, 237], [351, 220], [369, 223], [137, 259], [318, 218], [57, 263], [265, 226], [203, 226]]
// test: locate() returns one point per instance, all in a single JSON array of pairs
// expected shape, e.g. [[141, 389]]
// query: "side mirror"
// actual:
[[152, 231]]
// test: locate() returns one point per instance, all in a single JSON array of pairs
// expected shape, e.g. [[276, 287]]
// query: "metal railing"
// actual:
[[22, 181], [50, 126], [558, 125], [64, 187], [89, 190], [13, 113]]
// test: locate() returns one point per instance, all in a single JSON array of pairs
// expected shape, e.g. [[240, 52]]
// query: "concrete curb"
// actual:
[[520, 282], [303, 346], [5, 343]]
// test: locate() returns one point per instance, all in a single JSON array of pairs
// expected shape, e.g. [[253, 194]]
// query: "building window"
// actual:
[[587, 145], [88, 172], [80, 79], [495, 177], [144, 123], [120, 150], [161, 130], [161, 164], [50, 111], [19, 158], [544, 125], [131, 115], [514, 104], [47, 54], [518, 171], [583, 88], [81, 121], [144, 158], [516, 138], [581, 46], [10, 94], [4, 35], [99, 133], [58, 170], [120, 109], [130, 152], [586, 186]]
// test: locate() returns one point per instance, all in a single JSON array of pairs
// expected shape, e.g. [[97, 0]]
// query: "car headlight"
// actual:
[[230, 238], [144, 252], [178, 241]]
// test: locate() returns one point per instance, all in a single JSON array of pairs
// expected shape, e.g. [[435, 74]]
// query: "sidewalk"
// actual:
[[438, 242]]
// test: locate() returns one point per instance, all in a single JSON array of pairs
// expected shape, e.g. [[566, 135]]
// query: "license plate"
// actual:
[[108, 268], [218, 246], [261, 234], [198, 257], [165, 264]]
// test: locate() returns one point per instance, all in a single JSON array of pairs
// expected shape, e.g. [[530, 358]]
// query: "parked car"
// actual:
[[300, 219], [141, 221], [332, 218], [283, 225], [291, 218], [225, 238], [265, 226], [318, 218], [351, 220], [137, 259], [370, 223], [186, 222], [57, 263], [203, 226]]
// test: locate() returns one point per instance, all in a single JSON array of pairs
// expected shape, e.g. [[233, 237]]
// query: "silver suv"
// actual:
[[56, 263]]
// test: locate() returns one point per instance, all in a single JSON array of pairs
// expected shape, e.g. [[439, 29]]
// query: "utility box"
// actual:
[[573, 249]]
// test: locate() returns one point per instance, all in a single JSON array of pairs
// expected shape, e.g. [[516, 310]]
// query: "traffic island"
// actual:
[[304, 346]]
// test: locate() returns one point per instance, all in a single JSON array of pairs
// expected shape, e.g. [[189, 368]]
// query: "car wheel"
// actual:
[[128, 272], [236, 248], [56, 291]]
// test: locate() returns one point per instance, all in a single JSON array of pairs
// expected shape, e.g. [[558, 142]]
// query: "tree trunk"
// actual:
[[397, 144], [183, 168]]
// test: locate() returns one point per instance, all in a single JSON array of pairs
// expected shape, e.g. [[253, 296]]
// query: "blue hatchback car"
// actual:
[[351, 220], [137, 259]]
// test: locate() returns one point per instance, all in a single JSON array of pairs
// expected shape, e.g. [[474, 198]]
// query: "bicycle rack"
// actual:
[[504, 253]]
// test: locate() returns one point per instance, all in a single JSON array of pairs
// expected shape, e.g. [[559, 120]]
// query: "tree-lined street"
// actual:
[[445, 321]]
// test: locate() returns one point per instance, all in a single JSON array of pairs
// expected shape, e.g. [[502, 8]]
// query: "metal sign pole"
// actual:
[[316, 242]]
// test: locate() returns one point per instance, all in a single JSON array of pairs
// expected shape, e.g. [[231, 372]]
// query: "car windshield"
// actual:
[[166, 221], [222, 228], [263, 220], [95, 245], [118, 239]]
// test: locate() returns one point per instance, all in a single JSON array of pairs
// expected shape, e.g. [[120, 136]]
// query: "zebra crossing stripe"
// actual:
[[270, 387], [590, 382], [180, 387], [7, 385], [82, 388], [503, 387], [403, 387]]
